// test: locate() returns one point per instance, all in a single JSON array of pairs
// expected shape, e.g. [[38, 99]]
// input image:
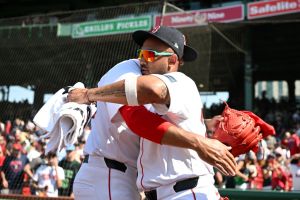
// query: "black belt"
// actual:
[[179, 186], [112, 164]]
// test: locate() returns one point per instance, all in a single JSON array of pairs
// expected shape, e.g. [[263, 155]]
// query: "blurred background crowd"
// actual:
[[26, 170]]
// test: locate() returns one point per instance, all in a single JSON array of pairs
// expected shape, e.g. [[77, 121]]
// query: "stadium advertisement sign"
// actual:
[[202, 17], [272, 8], [110, 27]]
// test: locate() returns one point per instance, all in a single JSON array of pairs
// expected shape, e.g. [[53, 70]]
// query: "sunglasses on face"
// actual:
[[151, 55]]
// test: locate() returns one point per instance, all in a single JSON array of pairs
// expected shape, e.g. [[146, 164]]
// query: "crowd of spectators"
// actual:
[[25, 169]]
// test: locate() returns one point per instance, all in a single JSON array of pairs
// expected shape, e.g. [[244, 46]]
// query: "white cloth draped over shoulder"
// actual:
[[64, 121]]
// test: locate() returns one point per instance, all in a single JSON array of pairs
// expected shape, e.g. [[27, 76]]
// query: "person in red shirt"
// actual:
[[292, 142], [13, 169], [8, 127], [280, 178], [258, 181], [2, 157], [3, 144]]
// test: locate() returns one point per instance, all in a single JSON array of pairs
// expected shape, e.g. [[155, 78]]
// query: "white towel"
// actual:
[[64, 121]]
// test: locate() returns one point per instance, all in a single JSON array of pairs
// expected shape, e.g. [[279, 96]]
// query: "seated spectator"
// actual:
[[33, 151], [295, 171], [280, 177], [71, 167], [8, 127], [48, 177], [297, 129], [3, 144], [241, 179], [292, 142], [12, 171], [267, 172], [2, 157], [249, 174], [282, 155], [255, 172], [296, 116], [271, 142]]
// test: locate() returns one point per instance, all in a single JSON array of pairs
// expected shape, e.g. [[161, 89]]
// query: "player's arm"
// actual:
[[146, 89], [149, 89], [210, 150], [152, 127]]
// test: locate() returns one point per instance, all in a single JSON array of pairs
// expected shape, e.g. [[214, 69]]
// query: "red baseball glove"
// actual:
[[242, 130]]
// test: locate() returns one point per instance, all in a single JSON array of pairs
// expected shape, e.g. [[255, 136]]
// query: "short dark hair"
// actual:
[[51, 154]]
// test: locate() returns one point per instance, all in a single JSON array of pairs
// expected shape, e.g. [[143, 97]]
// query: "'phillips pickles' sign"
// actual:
[[272, 8], [110, 27]]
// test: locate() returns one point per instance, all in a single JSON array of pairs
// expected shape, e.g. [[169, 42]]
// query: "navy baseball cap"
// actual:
[[172, 37]]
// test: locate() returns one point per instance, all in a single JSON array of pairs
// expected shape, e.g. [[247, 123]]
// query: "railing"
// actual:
[[22, 197], [235, 194]]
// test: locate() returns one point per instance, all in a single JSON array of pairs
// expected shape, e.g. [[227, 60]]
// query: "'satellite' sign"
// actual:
[[272, 8]]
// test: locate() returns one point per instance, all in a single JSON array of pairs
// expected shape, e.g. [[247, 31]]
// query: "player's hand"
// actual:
[[78, 95], [213, 122], [217, 154]]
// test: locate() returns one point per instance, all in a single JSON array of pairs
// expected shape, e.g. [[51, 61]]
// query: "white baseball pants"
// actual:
[[95, 181]]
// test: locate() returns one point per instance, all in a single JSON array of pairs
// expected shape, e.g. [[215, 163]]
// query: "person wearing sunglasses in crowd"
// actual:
[[165, 171]]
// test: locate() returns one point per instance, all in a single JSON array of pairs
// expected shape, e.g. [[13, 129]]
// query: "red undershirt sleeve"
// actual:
[[145, 123]]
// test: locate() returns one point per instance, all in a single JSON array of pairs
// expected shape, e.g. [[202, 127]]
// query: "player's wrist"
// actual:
[[88, 96], [197, 143]]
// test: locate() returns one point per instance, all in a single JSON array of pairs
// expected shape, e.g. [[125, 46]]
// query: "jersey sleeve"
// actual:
[[145, 123], [121, 71], [178, 88]]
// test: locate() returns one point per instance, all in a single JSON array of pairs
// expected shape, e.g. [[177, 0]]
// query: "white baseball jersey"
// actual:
[[114, 140], [161, 164], [110, 138]]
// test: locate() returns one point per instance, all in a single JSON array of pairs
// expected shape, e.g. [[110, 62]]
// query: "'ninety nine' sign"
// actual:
[[201, 17]]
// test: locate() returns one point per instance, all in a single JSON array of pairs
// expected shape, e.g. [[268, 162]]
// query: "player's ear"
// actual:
[[173, 59], [173, 63], [181, 62]]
